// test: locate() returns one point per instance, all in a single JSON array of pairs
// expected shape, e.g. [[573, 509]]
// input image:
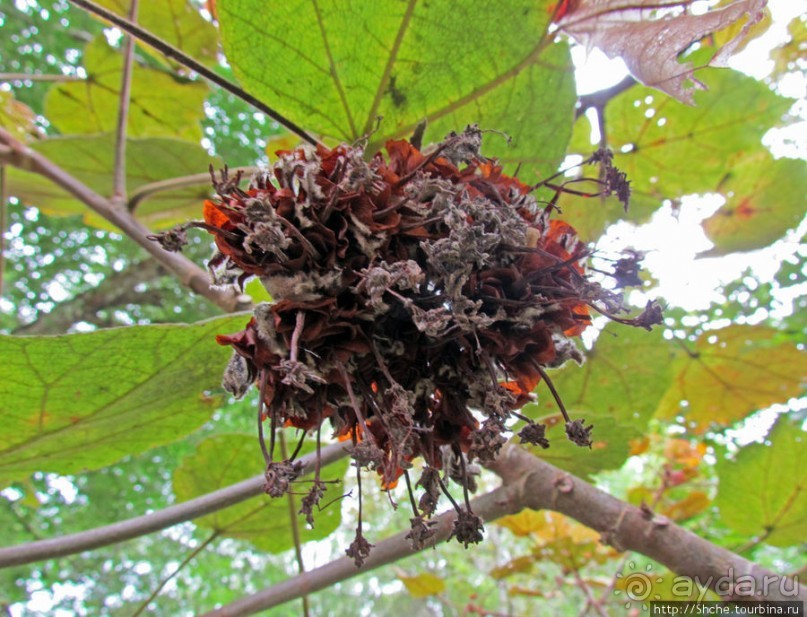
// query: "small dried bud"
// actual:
[[626, 270], [311, 500], [295, 374], [486, 442], [430, 481], [467, 528], [238, 376], [534, 434], [172, 240], [421, 531], [278, 477], [359, 549], [578, 433], [650, 316], [463, 148], [367, 454]]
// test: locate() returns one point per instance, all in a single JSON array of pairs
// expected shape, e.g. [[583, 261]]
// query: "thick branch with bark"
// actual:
[[529, 482], [190, 275]]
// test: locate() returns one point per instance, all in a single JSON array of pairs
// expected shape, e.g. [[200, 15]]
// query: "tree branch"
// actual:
[[156, 521], [119, 174], [600, 98], [529, 482], [189, 274], [3, 205], [147, 190], [172, 52], [9, 77], [115, 290]]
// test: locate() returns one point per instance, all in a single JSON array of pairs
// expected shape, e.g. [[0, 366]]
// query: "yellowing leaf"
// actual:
[[765, 198], [17, 118], [160, 105], [731, 373], [524, 523], [519, 565], [423, 585], [763, 492], [682, 452], [547, 526], [650, 45], [694, 503]]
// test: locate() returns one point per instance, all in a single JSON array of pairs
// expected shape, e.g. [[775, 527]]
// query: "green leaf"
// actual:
[[161, 105], [334, 68], [227, 459], [423, 585], [763, 493], [91, 160], [625, 375], [669, 149], [177, 22], [83, 401], [611, 441], [731, 373], [616, 390], [765, 198]]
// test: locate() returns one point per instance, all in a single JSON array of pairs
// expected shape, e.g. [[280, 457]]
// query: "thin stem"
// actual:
[[409, 490], [172, 52], [267, 457], [552, 389], [176, 571], [3, 205], [189, 274], [156, 521], [9, 77], [295, 529], [591, 601], [119, 173], [146, 191]]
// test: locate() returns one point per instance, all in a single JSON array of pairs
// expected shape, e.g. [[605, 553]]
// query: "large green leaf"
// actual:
[[160, 104], [765, 198], [764, 491], [335, 67], [616, 390], [624, 376], [82, 401], [731, 373], [669, 149], [177, 22], [91, 160], [611, 441], [226, 459]]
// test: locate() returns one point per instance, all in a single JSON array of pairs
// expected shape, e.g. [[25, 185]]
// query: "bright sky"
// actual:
[[673, 241]]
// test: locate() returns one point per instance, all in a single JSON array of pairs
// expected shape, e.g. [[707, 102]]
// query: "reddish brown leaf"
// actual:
[[649, 41]]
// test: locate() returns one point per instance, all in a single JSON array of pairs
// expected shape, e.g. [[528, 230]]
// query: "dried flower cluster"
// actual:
[[419, 298]]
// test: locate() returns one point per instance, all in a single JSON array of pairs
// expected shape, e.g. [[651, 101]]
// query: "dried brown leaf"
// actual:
[[650, 40]]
